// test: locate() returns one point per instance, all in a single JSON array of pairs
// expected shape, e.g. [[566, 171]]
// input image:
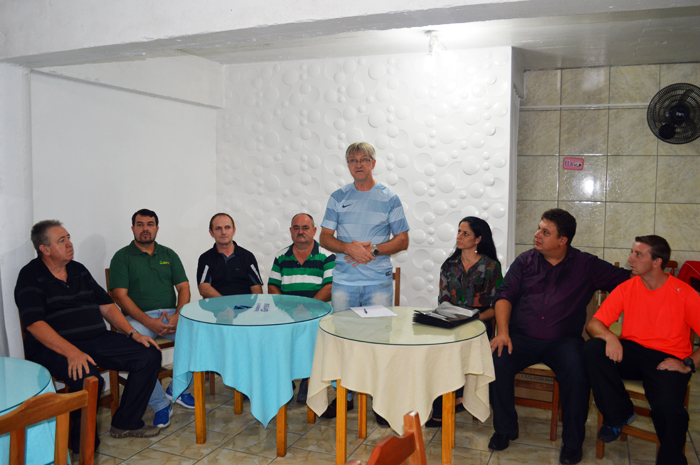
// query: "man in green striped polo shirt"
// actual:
[[303, 269]]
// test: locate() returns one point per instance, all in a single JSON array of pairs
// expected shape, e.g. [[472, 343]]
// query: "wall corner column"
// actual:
[[16, 197]]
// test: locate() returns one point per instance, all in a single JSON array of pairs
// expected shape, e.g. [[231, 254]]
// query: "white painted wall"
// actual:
[[100, 154], [15, 198], [443, 140]]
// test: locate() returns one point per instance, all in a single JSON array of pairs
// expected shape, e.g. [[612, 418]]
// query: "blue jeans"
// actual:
[[343, 296], [158, 401]]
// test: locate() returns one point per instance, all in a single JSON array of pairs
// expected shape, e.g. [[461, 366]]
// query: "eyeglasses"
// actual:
[[364, 161]]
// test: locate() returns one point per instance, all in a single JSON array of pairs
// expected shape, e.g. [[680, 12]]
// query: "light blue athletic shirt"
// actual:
[[364, 216]]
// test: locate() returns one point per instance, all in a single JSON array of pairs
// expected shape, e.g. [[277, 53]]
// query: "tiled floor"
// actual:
[[240, 439]]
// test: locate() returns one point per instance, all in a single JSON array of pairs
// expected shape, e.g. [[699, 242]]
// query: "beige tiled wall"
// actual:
[[632, 184]]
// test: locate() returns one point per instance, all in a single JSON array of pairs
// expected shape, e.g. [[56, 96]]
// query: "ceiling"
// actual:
[[667, 35]]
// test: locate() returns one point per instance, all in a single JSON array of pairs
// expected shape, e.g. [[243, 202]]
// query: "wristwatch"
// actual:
[[375, 251], [131, 334], [689, 363]]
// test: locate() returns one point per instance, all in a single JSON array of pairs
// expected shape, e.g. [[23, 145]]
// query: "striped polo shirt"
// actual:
[[372, 216], [305, 280], [71, 307]]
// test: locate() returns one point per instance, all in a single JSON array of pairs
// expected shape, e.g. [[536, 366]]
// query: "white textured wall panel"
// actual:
[[443, 141]]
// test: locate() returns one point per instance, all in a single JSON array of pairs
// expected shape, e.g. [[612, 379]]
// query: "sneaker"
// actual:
[[502, 441], [570, 456], [331, 410], [145, 432], [609, 433], [162, 417], [186, 399]]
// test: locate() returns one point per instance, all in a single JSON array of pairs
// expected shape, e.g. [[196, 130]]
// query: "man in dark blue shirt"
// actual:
[[540, 314]]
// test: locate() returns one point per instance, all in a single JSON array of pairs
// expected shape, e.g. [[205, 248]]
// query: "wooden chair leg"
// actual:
[[114, 389], [599, 445], [555, 412], [212, 383]]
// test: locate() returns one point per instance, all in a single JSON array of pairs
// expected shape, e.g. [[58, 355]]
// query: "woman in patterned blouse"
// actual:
[[469, 278], [471, 275]]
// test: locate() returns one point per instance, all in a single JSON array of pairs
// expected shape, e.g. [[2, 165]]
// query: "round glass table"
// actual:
[[21, 380], [404, 366], [257, 343]]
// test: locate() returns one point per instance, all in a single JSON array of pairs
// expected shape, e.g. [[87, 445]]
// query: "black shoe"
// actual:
[[331, 410], [609, 433], [433, 423], [303, 391], [502, 441], [380, 420], [570, 456]]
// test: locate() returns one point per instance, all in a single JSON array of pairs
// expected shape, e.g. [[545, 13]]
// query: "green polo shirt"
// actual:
[[148, 279]]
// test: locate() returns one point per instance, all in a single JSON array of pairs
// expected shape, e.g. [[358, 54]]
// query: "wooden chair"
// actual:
[[394, 450], [396, 276], [51, 405], [672, 267], [110, 400], [636, 391], [541, 370]]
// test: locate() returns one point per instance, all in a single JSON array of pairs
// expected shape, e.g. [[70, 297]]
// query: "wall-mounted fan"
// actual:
[[674, 114]]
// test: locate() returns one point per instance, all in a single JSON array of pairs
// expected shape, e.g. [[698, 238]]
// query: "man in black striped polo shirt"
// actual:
[[303, 269], [62, 309]]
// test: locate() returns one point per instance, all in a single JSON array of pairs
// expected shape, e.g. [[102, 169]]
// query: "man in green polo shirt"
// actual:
[[143, 277]]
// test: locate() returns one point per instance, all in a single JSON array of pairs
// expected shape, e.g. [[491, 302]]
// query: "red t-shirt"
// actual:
[[660, 319]]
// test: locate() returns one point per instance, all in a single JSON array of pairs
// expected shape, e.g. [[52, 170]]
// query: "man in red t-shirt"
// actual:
[[659, 312]]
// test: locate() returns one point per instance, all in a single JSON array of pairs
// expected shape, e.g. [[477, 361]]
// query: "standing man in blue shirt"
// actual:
[[358, 226], [540, 313]]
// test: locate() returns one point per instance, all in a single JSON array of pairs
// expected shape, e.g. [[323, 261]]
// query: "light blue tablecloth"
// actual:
[[41, 437], [259, 361]]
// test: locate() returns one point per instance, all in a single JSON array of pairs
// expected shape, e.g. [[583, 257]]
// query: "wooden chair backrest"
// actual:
[[394, 450], [672, 267], [396, 276], [52, 405]]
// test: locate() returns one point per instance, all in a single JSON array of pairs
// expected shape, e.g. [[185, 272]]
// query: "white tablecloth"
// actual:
[[401, 378]]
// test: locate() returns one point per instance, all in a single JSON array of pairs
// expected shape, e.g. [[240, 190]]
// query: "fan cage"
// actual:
[[664, 101]]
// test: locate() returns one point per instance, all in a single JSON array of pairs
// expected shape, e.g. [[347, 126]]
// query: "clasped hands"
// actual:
[[164, 329], [359, 253]]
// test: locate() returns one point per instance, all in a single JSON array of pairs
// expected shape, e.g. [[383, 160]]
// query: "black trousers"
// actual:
[[113, 351], [665, 391], [563, 356]]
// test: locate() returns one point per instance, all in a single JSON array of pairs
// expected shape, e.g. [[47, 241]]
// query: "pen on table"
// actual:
[[364, 309]]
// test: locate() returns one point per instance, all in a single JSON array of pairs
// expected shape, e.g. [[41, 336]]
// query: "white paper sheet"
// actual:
[[372, 311]]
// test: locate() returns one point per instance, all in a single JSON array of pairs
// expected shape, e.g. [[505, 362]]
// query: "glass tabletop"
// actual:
[[255, 310], [398, 330], [19, 381]]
